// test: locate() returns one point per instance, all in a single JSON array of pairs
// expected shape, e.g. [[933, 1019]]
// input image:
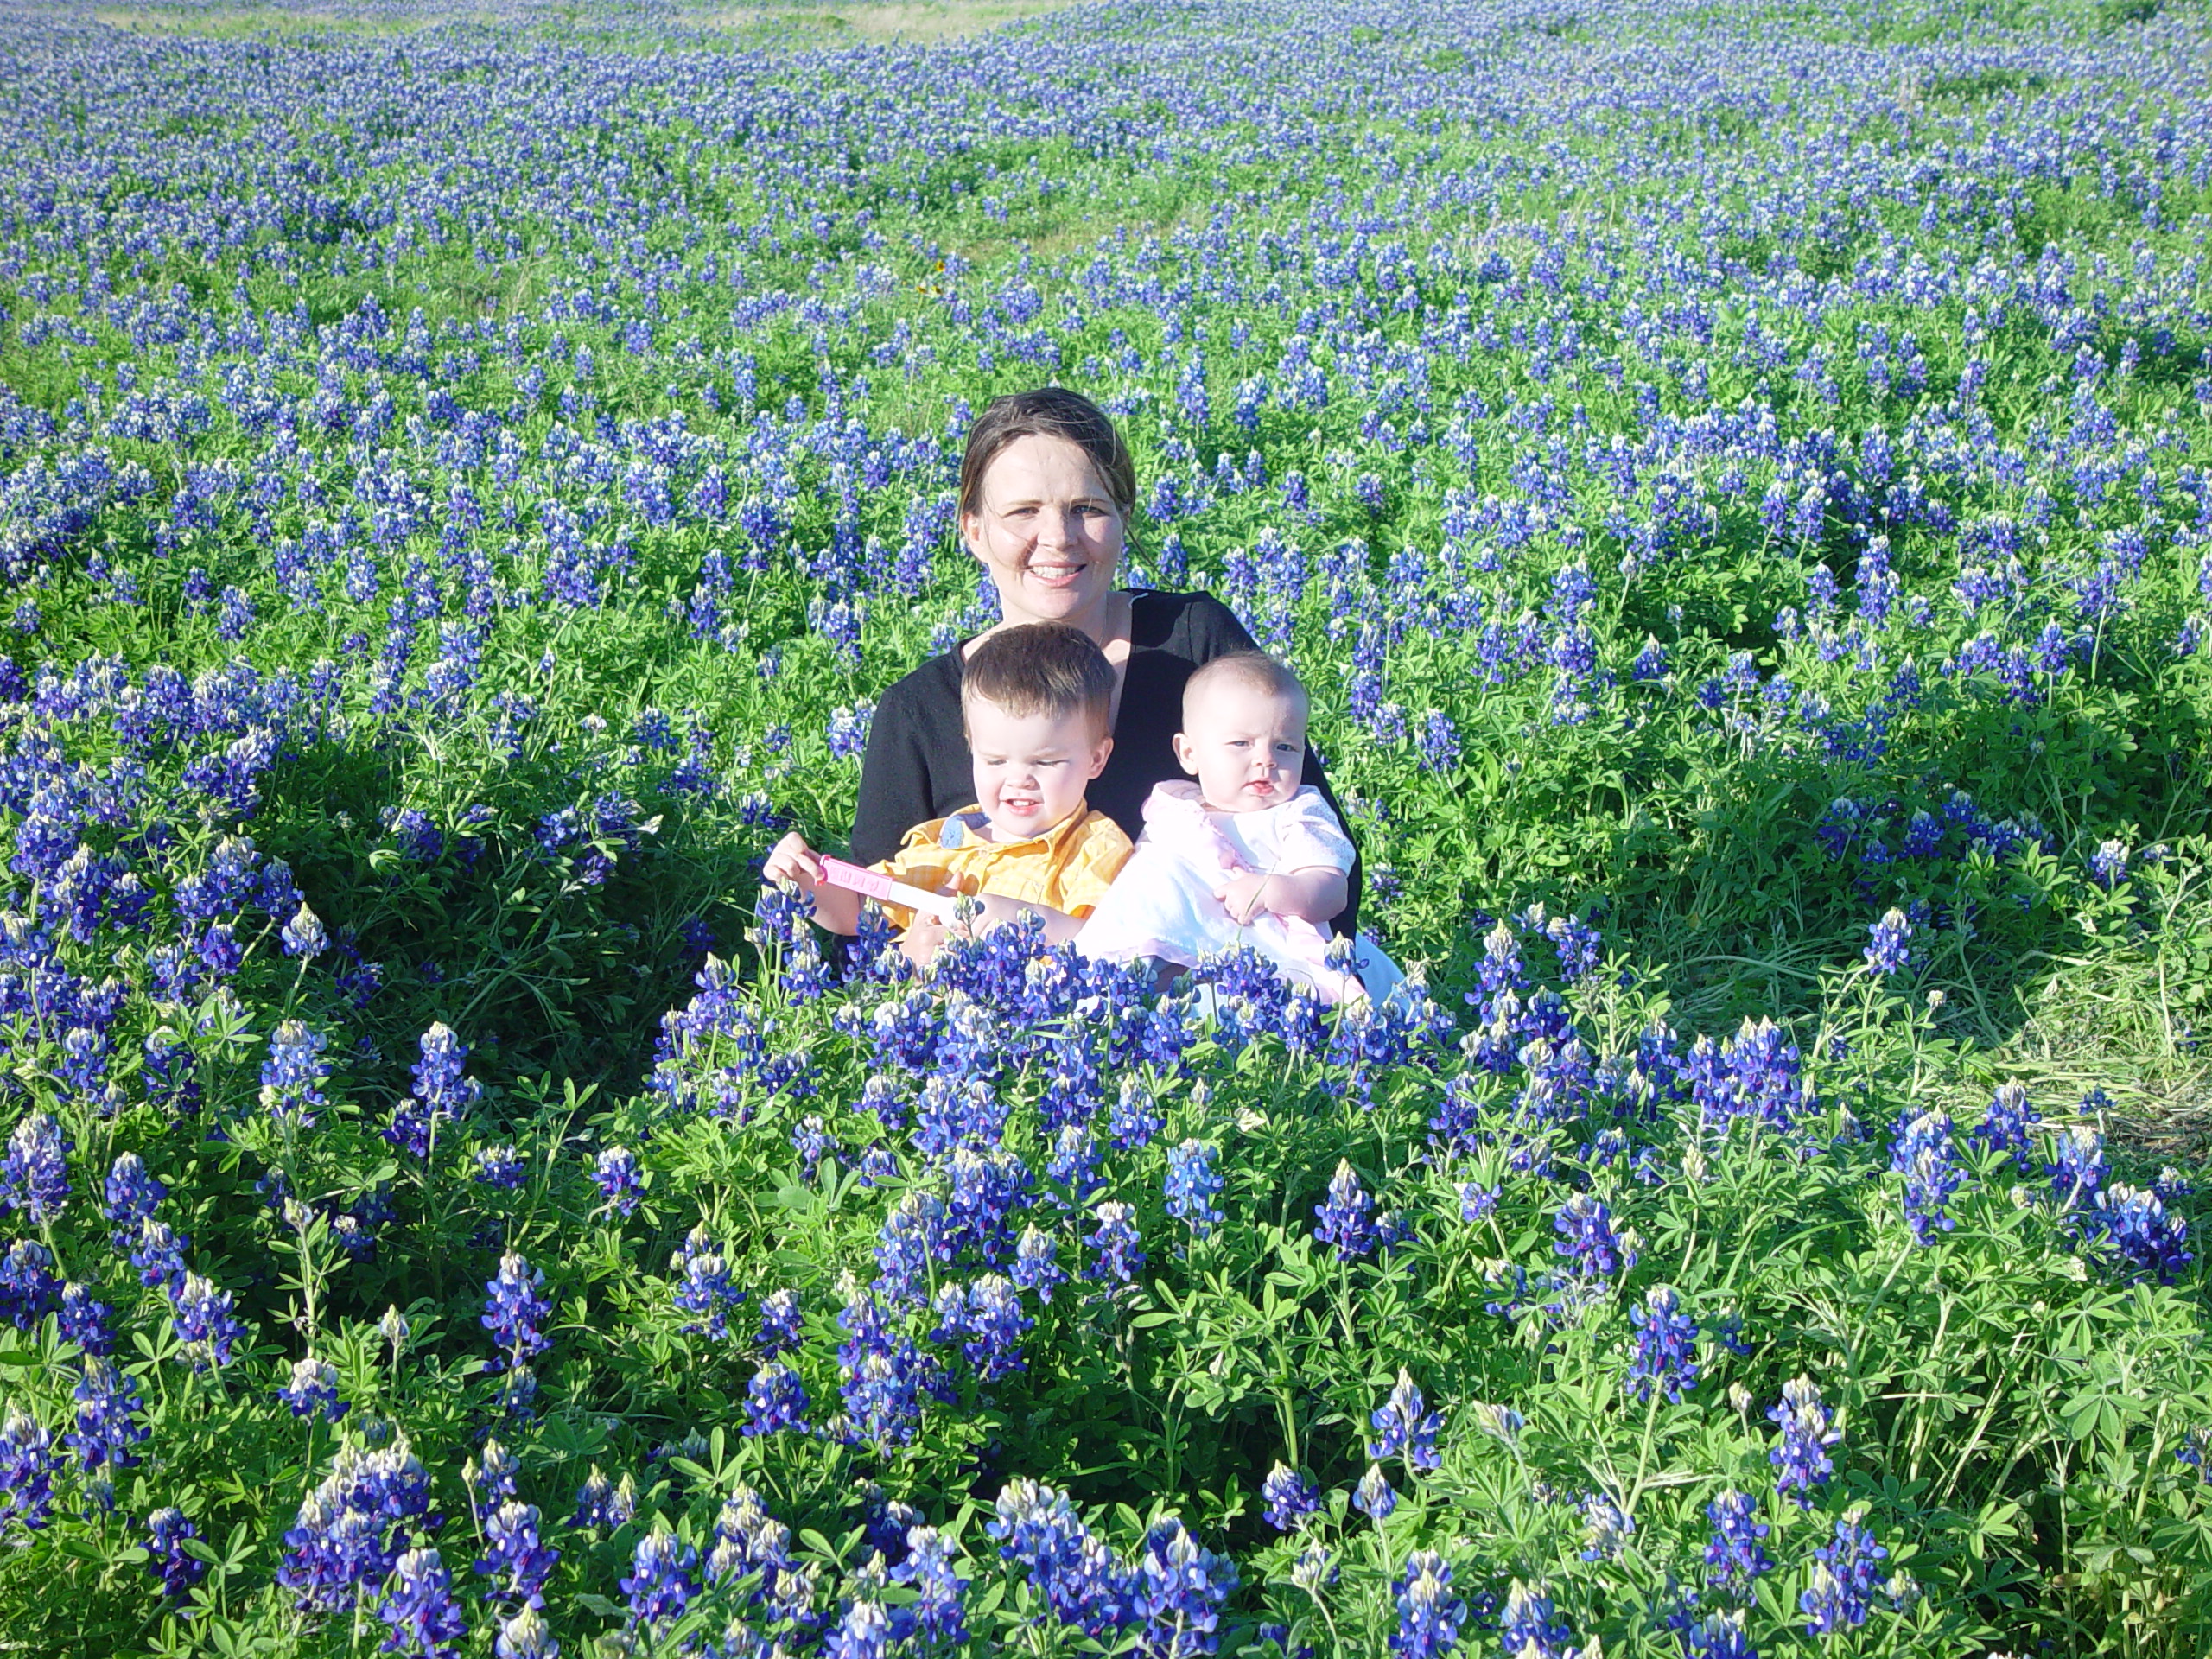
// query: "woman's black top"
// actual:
[[917, 768]]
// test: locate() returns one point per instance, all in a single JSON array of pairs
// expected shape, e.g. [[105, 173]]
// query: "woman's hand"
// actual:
[[792, 859]]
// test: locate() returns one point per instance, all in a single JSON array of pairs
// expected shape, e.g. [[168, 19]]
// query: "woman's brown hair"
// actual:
[[1051, 412]]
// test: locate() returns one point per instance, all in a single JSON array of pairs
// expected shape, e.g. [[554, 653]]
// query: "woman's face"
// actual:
[[1048, 532]]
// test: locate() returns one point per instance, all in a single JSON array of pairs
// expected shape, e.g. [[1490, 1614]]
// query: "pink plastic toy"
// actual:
[[884, 890]]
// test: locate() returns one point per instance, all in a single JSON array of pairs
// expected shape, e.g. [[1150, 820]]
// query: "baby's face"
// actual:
[[1245, 746], [1031, 770]]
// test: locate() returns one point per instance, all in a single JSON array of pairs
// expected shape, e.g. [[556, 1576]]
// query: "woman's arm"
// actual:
[[896, 778]]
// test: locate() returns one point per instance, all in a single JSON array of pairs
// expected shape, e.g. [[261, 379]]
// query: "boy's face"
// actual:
[[1245, 745], [1031, 770]]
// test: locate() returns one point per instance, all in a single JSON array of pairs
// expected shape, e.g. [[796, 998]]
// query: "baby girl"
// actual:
[[1244, 856]]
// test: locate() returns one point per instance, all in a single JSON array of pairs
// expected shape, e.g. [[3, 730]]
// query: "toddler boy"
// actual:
[[1037, 701]]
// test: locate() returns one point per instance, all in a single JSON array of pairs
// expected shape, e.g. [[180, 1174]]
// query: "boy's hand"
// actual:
[[1246, 897], [792, 859], [997, 909], [922, 940]]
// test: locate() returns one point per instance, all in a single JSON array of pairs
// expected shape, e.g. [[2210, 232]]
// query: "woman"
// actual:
[[1047, 488]]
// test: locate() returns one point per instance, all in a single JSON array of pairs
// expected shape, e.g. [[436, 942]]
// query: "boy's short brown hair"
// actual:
[[1253, 668], [1041, 668]]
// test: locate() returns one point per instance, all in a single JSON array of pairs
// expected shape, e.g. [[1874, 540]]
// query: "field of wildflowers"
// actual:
[[1735, 479]]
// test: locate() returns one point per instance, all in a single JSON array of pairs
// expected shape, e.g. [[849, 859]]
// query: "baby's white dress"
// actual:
[[1167, 903]]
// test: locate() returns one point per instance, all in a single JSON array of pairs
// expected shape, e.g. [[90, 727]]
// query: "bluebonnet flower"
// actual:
[[939, 1611], [2108, 864], [159, 1256], [303, 936], [619, 1179], [502, 1168], [107, 1423], [1429, 1616], [292, 1076], [864, 1632], [847, 729], [419, 1607], [659, 1584], [703, 1287], [1528, 1628], [526, 1635], [2003, 1128], [1037, 1528], [1075, 1164], [513, 1309], [1373, 1497], [1924, 1155], [1666, 1346], [1800, 1454], [813, 1142], [84, 1320], [1889, 948], [911, 1239], [29, 1290], [312, 1389], [775, 1400], [601, 1505], [35, 1171], [348, 1536], [1291, 1499], [1179, 1587], [1718, 1636], [987, 1189], [201, 1316], [167, 1559], [1438, 742], [2081, 1169], [1194, 1183], [442, 1092], [1343, 1215], [516, 1558], [1580, 946], [1404, 1427], [27, 1464], [1115, 1242], [1035, 1267], [1585, 1225], [1135, 1118], [132, 1193], [1842, 1592], [490, 1475], [990, 1316], [1757, 1074], [1733, 1557], [1606, 1527], [2135, 1225], [779, 1323]]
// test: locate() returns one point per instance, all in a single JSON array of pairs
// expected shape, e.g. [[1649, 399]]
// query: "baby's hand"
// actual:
[[1246, 897], [792, 859]]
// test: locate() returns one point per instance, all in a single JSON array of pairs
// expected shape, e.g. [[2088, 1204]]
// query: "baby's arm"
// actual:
[[1317, 894], [1059, 927]]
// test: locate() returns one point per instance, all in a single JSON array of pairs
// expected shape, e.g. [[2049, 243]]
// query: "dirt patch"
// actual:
[[919, 22]]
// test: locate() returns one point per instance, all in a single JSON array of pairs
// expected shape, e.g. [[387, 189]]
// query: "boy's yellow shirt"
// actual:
[[1068, 868]]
